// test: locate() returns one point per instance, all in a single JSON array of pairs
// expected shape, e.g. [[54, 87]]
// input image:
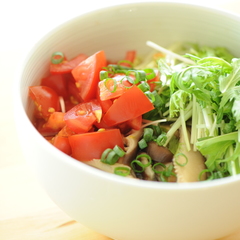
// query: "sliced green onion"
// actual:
[[146, 156], [150, 73], [107, 80], [207, 171], [151, 96], [158, 164], [142, 143], [112, 158], [156, 130], [165, 173], [122, 171], [109, 157], [161, 139], [158, 101], [144, 86], [110, 69], [57, 57], [181, 164], [119, 151], [103, 75], [138, 163], [148, 134], [140, 75], [105, 153], [129, 79]]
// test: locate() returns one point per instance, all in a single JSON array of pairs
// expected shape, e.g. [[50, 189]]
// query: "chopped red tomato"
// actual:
[[45, 99], [58, 83], [131, 104], [114, 87], [62, 143], [73, 93], [105, 105], [53, 124], [135, 123], [55, 121], [86, 75], [88, 146], [81, 117], [129, 58], [66, 132], [67, 66]]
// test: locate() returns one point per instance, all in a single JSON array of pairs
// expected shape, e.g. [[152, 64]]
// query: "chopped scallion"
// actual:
[[122, 171], [142, 143], [57, 57], [119, 151]]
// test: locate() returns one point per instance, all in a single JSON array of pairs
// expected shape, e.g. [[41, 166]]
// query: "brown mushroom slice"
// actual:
[[159, 153], [188, 164], [108, 168], [171, 178], [148, 174], [131, 148]]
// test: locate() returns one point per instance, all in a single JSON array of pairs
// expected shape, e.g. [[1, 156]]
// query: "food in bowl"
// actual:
[[169, 117], [119, 207]]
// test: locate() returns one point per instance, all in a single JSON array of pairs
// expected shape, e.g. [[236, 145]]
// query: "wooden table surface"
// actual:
[[26, 211]]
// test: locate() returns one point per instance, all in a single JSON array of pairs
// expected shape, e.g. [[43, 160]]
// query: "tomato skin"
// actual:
[[62, 143], [81, 117], [67, 66], [58, 83], [130, 105], [46, 100], [88, 146], [86, 75]]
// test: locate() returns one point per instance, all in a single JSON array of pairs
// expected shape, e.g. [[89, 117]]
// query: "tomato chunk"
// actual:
[[129, 105], [67, 66], [135, 123], [45, 99], [86, 75], [88, 146], [81, 117], [62, 143], [58, 83]]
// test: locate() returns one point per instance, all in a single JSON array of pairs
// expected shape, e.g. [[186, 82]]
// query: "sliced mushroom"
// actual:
[[159, 153], [188, 164], [131, 148], [108, 168]]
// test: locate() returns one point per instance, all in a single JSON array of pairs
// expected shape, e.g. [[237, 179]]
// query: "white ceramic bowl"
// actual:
[[127, 209]]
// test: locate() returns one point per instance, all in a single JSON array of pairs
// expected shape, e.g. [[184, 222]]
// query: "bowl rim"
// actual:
[[19, 110]]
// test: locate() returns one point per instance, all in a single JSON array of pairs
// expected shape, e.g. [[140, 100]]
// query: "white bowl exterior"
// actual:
[[120, 208]]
